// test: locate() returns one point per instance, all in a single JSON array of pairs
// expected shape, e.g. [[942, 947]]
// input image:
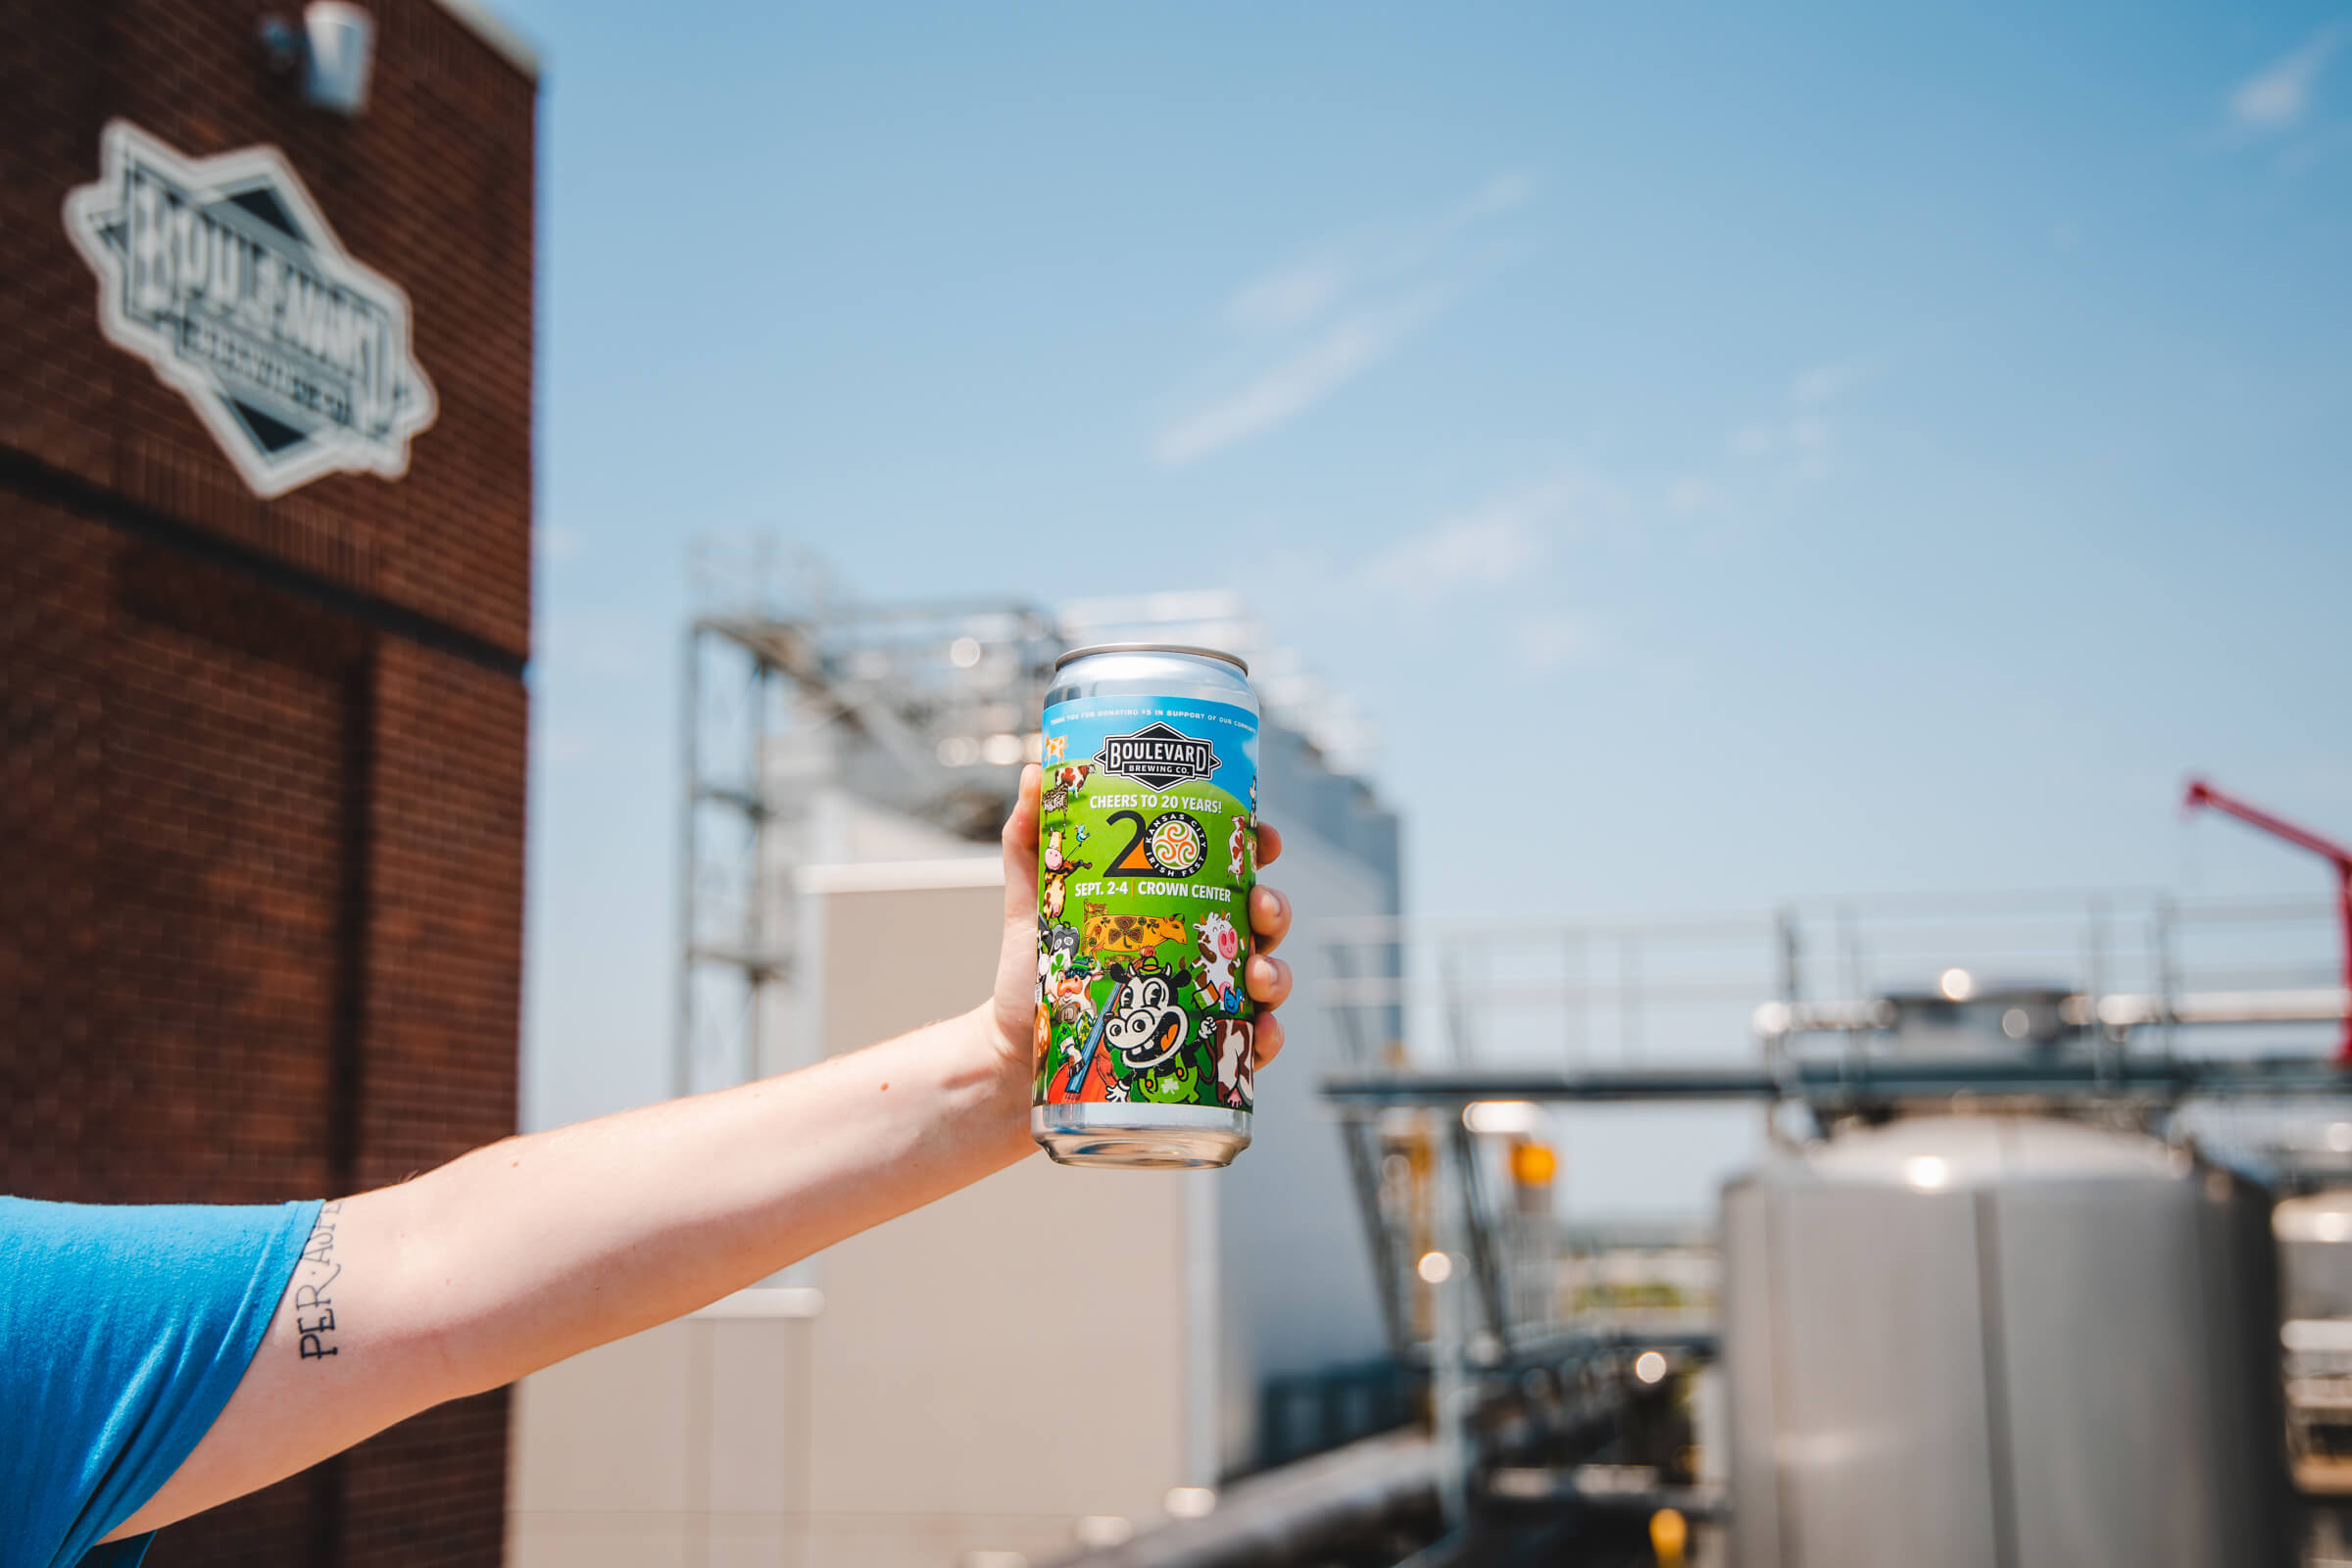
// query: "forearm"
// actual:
[[538, 1248], [535, 1249]]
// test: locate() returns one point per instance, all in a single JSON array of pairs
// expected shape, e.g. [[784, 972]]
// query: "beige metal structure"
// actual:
[[1023, 1366]]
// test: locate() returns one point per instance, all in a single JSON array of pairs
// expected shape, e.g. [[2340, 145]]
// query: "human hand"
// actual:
[[1013, 1009]]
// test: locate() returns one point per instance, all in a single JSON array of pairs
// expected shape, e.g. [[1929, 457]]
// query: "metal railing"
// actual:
[[1622, 992], [1802, 1005]]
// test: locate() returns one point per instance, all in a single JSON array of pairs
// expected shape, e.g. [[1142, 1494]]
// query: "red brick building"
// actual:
[[264, 611]]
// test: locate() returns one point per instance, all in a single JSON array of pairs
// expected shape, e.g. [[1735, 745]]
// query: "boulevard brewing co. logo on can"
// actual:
[[1145, 856]]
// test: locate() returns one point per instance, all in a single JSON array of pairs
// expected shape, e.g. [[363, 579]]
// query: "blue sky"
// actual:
[[1870, 448]]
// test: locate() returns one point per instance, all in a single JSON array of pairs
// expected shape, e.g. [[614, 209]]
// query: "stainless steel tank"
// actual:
[[2315, 1274], [2001, 1342]]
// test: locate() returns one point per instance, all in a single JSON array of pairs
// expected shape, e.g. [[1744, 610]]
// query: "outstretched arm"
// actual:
[[535, 1249]]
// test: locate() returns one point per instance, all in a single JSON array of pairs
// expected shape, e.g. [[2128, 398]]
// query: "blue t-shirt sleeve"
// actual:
[[122, 1332]]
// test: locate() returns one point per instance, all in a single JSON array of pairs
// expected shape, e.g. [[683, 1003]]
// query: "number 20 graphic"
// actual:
[[1171, 844]]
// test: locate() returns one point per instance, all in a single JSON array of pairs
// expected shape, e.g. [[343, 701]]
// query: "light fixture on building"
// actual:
[[1189, 1502], [1534, 1164], [1102, 1530], [1502, 1117], [335, 48], [1928, 1172], [341, 39]]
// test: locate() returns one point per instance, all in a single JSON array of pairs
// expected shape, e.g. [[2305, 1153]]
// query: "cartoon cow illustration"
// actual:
[[1237, 1063], [1220, 950], [1140, 1026], [1054, 874], [1057, 956], [1147, 1028], [1239, 845], [1054, 861], [1056, 747], [1069, 775], [1127, 935]]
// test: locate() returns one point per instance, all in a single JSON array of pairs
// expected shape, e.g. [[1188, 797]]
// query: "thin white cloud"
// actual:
[[1501, 194], [1800, 435], [1547, 642], [558, 544], [1469, 552], [1804, 433], [609, 645], [559, 747], [1825, 384], [1689, 494], [2277, 97], [1345, 350], [1359, 300], [1288, 297], [1483, 547]]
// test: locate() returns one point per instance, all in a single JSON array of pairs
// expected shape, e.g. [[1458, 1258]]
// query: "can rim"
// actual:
[[1193, 649]]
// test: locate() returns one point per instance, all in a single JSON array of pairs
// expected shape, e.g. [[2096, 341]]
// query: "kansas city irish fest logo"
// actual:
[[220, 273]]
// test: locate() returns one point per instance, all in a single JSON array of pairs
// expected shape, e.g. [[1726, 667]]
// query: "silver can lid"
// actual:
[[1233, 660]]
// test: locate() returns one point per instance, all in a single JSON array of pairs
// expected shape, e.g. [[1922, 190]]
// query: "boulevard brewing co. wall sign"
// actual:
[[220, 273]]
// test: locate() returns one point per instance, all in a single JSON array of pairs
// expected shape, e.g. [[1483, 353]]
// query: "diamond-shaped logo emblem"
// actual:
[[1156, 756], [222, 276]]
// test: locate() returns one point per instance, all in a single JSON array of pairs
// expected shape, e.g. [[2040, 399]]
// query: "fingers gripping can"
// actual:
[[1147, 852]]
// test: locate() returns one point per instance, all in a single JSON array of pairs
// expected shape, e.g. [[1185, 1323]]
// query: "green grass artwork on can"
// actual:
[[1148, 850]]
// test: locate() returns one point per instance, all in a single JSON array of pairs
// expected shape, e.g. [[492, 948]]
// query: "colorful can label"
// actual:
[[1148, 850]]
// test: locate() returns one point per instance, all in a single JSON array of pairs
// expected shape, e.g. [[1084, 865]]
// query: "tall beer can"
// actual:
[[1147, 852]]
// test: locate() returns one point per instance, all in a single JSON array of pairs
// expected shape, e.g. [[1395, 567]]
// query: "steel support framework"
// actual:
[[920, 709]]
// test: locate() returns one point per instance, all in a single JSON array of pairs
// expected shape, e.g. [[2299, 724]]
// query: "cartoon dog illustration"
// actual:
[[1220, 950], [1132, 936], [1237, 1063]]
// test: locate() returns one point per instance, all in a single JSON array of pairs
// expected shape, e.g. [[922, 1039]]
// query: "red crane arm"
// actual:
[[2201, 793]]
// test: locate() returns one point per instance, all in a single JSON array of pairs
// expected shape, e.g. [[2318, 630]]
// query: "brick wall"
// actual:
[[261, 764]]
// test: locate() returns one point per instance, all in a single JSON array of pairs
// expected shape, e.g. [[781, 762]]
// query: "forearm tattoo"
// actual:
[[314, 1288]]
